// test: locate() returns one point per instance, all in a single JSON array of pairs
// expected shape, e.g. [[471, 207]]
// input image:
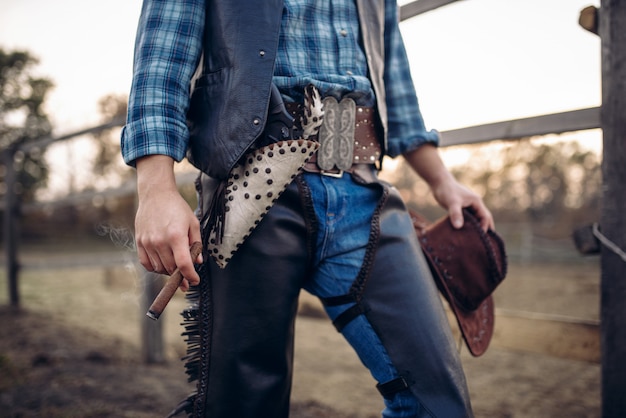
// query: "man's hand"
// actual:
[[165, 225], [448, 192]]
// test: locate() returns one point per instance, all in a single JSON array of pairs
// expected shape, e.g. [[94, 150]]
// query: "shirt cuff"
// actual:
[[400, 146], [152, 136]]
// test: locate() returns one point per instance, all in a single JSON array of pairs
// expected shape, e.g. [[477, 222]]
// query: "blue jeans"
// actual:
[[344, 212]]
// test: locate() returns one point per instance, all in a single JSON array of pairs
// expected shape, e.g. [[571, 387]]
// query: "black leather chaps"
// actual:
[[242, 328]]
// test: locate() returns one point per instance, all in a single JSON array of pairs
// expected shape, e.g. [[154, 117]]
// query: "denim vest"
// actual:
[[229, 102]]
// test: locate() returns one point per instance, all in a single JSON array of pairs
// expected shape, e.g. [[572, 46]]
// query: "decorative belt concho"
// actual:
[[254, 184], [336, 135]]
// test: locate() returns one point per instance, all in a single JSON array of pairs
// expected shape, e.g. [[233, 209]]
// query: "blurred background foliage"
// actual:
[[23, 120], [528, 180]]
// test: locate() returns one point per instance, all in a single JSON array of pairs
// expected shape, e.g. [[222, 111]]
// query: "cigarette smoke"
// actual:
[[121, 237]]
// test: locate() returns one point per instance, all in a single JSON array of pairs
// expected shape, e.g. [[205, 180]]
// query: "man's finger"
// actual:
[[196, 236], [184, 285], [484, 216], [185, 262], [456, 216], [166, 258], [144, 260]]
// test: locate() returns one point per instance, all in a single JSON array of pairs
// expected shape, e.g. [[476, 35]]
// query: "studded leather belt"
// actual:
[[362, 137]]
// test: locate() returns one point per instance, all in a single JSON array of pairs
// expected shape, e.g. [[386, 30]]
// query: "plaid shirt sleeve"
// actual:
[[167, 51], [407, 130]]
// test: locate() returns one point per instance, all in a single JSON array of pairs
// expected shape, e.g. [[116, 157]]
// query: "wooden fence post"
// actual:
[[11, 221], [612, 22]]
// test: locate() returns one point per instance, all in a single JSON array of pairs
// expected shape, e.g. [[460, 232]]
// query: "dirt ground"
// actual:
[[73, 351]]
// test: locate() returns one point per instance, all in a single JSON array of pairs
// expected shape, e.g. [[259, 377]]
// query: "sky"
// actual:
[[84, 46], [478, 61], [473, 62]]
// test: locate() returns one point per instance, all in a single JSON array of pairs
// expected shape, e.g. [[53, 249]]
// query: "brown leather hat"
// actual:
[[467, 265]]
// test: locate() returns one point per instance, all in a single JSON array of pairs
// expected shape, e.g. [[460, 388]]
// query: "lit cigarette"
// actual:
[[165, 295]]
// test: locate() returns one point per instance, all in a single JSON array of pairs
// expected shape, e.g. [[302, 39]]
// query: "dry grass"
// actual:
[[74, 351]]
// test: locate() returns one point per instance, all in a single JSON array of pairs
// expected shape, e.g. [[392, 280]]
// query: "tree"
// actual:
[[23, 120], [107, 167], [542, 180]]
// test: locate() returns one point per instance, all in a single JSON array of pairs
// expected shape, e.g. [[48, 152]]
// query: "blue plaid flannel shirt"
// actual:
[[169, 44]]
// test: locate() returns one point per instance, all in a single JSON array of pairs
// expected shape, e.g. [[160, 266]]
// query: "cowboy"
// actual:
[[345, 99]]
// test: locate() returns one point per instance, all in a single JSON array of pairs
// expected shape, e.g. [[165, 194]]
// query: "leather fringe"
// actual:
[[184, 406], [196, 324], [191, 333], [216, 216]]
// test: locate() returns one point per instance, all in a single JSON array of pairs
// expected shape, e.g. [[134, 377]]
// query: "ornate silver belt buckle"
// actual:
[[336, 136]]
